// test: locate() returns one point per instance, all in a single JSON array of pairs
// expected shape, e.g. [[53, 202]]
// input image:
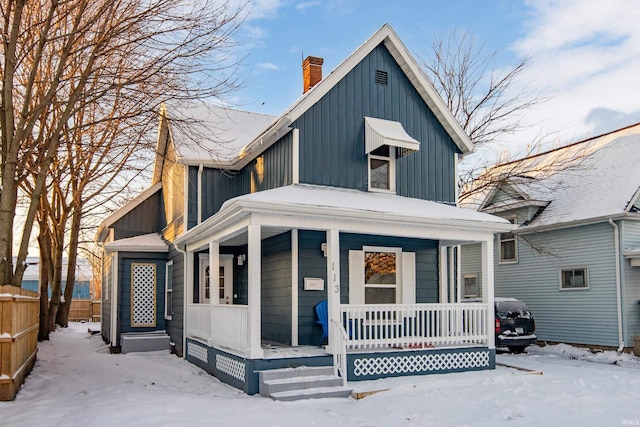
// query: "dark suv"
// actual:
[[514, 325]]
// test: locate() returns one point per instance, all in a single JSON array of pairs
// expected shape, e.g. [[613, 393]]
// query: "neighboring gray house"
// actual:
[[575, 257], [349, 197]]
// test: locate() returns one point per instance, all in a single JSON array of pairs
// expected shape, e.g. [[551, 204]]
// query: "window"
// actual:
[[508, 245], [168, 291], [382, 169], [380, 277], [574, 278], [471, 286]]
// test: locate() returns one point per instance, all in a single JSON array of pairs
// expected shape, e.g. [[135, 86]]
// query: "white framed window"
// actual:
[[382, 275], [168, 291], [382, 169], [574, 278], [508, 245], [470, 286]]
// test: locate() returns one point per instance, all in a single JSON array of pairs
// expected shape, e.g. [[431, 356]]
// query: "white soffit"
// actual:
[[379, 132]]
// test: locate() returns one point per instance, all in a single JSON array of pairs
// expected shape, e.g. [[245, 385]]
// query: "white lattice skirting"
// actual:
[[420, 363], [231, 367], [198, 352]]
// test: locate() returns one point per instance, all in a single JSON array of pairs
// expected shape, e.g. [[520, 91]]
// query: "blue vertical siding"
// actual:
[[276, 288], [148, 217], [312, 263], [332, 133], [174, 326], [631, 283]]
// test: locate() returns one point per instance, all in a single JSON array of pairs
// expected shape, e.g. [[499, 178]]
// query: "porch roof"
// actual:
[[147, 242], [313, 202]]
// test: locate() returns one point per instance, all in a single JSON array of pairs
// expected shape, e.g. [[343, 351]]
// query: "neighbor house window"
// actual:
[[471, 286], [168, 291], [380, 276], [382, 169], [574, 278], [508, 245]]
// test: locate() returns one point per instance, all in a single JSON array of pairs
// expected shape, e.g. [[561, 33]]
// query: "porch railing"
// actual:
[[340, 353], [223, 325], [405, 326]]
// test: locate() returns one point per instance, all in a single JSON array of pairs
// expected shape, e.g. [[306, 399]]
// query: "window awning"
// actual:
[[379, 132]]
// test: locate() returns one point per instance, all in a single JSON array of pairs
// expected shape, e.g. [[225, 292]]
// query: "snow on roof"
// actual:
[[294, 197], [214, 134], [632, 252], [147, 242], [590, 179]]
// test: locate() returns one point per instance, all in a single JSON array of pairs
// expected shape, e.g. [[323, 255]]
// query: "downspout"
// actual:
[[616, 239]]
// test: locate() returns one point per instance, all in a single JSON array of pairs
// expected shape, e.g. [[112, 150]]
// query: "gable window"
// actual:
[[471, 286], [382, 169], [508, 245], [168, 291], [574, 278]]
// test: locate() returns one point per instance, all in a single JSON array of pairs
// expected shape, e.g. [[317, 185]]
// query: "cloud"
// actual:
[[264, 9], [268, 66], [307, 5], [585, 57], [604, 120]]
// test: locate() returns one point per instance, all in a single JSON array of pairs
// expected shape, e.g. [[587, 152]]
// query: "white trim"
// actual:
[[203, 263], [575, 288], [399, 279], [408, 287], [488, 286], [452, 276], [254, 326], [501, 261], [444, 271], [114, 300], [226, 261], [185, 192], [295, 156], [199, 195], [459, 271], [168, 279], [294, 287], [333, 286]]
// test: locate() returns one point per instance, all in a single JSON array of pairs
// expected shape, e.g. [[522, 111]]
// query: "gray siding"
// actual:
[[276, 288], [175, 325], [148, 217], [631, 283], [573, 316], [272, 169], [332, 133]]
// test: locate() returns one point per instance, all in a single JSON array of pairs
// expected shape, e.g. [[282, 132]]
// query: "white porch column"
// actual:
[[444, 298], [294, 287], [214, 299], [333, 285], [487, 288], [452, 277], [188, 297], [254, 266]]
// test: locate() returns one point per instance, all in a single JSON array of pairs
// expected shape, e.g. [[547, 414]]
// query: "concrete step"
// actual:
[[275, 374], [299, 383], [312, 393]]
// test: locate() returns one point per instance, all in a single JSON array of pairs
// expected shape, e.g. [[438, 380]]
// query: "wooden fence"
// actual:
[[19, 312], [84, 310]]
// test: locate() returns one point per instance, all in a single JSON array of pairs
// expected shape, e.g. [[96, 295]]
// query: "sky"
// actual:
[[76, 382], [585, 54]]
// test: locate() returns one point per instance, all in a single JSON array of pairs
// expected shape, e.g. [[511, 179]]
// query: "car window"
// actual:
[[512, 309]]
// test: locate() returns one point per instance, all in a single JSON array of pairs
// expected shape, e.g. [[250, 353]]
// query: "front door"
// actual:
[[224, 289]]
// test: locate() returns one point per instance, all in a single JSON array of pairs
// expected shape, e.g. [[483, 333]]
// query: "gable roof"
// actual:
[[240, 136], [124, 210], [587, 181]]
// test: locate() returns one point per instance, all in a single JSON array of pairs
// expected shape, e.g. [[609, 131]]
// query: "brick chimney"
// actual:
[[311, 72]]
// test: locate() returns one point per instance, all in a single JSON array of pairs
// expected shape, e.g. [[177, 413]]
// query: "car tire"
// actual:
[[516, 350]]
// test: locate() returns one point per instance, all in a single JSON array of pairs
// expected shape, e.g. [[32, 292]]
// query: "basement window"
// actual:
[[382, 78]]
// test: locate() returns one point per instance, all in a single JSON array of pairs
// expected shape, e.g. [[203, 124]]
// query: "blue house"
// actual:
[[348, 196], [575, 255]]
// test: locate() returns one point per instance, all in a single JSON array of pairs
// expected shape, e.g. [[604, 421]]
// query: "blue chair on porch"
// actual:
[[322, 311]]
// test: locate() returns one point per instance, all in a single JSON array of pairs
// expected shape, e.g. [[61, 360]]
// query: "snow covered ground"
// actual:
[[77, 383]]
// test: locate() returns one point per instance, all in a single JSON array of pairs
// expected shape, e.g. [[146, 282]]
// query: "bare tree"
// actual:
[[485, 101], [61, 56]]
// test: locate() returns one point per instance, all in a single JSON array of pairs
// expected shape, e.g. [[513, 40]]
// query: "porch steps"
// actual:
[[305, 382]]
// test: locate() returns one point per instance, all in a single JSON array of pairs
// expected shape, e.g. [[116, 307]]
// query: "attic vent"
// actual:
[[382, 78]]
